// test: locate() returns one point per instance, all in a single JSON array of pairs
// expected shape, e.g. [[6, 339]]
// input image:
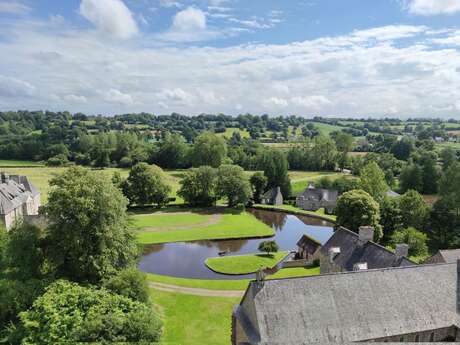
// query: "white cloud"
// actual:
[[116, 96], [316, 102], [174, 95], [110, 16], [433, 7], [390, 32], [170, 3], [13, 87], [189, 19], [13, 7], [75, 99], [276, 102]]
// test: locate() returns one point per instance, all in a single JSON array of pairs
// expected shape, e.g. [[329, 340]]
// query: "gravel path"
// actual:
[[196, 291]]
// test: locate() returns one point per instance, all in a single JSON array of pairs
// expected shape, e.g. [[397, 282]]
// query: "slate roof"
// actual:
[[320, 194], [353, 306], [451, 255], [14, 192], [353, 251], [271, 193], [308, 243]]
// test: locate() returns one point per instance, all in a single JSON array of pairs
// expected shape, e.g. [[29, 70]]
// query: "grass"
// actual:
[[235, 285], [301, 179], [229, 132], [194, 320], [296, 210], [19, 163], [167, 220], [233, 224], [244, 264]]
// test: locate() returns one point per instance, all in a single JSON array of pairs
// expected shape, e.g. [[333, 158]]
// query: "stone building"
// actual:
[[273, 197], [312, 199], [19, 199], [349, 251], [307, 248], [404, 304], [444, 256]]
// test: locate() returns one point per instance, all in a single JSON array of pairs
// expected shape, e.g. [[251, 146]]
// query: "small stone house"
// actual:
[[19, 199], [348, 251], [405, 304], [444, 257], [306, 248], [312, 199], [272, 197]]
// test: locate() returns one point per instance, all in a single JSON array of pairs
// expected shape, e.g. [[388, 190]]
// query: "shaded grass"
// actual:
[[232, 225], [244, 264], [194, 320]]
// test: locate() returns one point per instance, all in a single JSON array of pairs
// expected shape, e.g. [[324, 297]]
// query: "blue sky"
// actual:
[[376, 58]]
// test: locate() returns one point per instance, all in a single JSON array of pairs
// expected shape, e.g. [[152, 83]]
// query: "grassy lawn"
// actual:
[[229, 132], [18, 163], [194, 320], [232, 224], [238, 285], [244, 264], [296, 210], [167, 220], [301, 179]]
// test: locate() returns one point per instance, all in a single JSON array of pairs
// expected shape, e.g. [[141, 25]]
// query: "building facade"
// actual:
[[273, 197], [312, 199], [19, 199]]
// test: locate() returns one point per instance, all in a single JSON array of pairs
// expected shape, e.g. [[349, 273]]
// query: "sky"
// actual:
[[353, 58]]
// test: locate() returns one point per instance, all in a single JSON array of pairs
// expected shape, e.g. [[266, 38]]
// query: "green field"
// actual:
[[163, 221], [194, 320], [301, 179], [244, 264], [229, 132], [18, 163], [231, 224]]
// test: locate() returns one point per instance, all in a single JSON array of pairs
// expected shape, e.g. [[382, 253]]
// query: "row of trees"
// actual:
[[75, 280]]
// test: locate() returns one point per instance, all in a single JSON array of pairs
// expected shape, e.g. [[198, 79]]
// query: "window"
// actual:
[[417, 338], [401, 340]]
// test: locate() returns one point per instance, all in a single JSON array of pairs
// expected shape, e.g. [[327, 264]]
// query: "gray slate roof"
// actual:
[[308, 243], [271, 193], [353, 306], [353, 251], [320, 194], [15, 192], [451, 255]]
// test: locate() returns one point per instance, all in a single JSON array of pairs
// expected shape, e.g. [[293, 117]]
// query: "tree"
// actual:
[[69, 313], [268, 247], [414, 238], [146, 185], [258, 183], [390, 218], [130, 283], [198, 186], [411, 178], [344, 142], [373, 181], [87, 237], [430, 175], [172, 153], [357, 208], [402, 149], [275, 167], [208, 149], [449, 188], [233, 184], [414, 211], [448, 157]]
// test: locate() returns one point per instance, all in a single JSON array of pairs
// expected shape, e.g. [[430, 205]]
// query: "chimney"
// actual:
[[402, 249], [4, 177], [360, 266], [333, 252], [366, 234]]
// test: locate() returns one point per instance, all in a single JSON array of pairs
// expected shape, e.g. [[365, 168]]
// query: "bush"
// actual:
[[57, 161], [414, 238], [129, 283]]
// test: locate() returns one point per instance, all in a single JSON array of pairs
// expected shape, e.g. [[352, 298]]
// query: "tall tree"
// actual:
[[448, 157], [208, 149], [275, 167], [172, 153], [198, 186], [411, 178], [430, 174], [416, 240], [373, 181], [414, 211], [233, 184], [357, 208], [258, 183], [87, 236], [146, 184]]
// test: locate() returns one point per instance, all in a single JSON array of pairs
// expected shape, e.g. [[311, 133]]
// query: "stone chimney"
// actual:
[[4, 177], [360, 266], [366, 234], [402, 249], [333, 252]]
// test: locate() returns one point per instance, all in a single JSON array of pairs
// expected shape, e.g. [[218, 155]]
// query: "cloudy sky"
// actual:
[[395, 58]]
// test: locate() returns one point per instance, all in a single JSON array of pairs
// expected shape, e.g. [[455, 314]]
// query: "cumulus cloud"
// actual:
[[13, 87], [432, 7], [110, 16], [316, 102], [276, 102], [75, 99], [189, 19], [116, 96], [13, 7]]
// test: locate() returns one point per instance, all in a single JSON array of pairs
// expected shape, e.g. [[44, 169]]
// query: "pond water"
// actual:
[[186, 259]]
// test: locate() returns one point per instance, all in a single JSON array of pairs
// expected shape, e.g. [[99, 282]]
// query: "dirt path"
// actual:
[[196, 291], [213, 219]]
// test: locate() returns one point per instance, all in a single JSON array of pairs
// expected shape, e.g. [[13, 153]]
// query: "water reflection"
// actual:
[[186, 259]]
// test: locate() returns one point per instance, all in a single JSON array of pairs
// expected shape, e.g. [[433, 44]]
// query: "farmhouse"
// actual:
[[312, 199], [444, 256], [349, 251], [306, 248], [273, 197], [19, 199], [405, 304]]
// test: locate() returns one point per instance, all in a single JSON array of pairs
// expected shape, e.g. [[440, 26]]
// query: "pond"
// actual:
[[186, 259]]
